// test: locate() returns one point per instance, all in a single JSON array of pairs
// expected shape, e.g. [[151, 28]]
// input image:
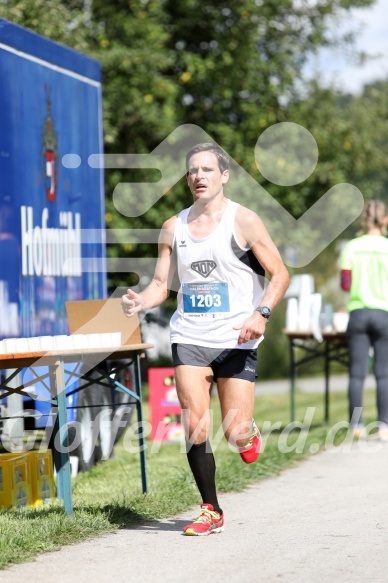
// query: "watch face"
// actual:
[[266, 312]]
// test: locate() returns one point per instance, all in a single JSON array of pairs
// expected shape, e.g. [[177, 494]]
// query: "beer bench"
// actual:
[[85, 317]]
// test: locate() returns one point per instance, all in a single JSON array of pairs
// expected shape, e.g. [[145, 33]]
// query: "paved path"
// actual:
[[309, 385], [324, 520]]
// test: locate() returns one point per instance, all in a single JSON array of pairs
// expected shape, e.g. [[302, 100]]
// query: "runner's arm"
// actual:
[[159, 288], [251, 232]]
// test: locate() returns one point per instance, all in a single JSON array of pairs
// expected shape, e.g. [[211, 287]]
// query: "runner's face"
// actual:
[[204, 176]]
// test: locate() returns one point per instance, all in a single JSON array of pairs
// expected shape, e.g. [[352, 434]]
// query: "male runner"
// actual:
[[221, 251]]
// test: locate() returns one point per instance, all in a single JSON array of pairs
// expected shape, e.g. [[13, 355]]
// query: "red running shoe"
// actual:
[[208, 521], [251, 451]]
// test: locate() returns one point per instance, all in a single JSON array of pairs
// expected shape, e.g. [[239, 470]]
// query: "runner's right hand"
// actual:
[[131, 303]]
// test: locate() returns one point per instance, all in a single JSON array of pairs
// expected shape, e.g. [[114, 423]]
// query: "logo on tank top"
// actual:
[[204, 268]]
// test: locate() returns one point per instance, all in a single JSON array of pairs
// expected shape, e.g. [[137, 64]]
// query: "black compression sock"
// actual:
[[203, 467]]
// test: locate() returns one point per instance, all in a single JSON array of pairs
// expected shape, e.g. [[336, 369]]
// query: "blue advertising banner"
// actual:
[[52, 235]]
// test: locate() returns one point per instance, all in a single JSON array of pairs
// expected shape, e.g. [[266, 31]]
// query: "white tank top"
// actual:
[[221, 284]]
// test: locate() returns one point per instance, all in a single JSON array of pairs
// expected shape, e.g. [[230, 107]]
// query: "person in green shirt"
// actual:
[[364, 273]]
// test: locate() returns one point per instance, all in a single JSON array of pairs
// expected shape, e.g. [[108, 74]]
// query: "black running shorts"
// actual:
[[234, 363]]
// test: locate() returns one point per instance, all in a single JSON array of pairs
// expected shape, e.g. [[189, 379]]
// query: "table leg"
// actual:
[[293, 380], [60, 441], [327, 377], [139, 410]]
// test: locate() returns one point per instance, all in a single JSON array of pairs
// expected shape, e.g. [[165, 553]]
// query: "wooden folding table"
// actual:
[[54, 381]]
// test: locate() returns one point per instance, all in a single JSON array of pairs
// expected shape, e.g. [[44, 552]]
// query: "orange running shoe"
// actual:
[[250, 452], [208, 521]]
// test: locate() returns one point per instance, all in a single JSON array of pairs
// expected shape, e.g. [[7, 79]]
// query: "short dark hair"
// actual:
[[222, 157]]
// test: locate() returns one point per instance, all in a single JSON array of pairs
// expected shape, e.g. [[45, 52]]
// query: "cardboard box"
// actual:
[[100, 316]]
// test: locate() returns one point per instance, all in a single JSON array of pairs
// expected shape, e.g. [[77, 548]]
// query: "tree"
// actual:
[[232, 70], [239, 66], [61, 21]]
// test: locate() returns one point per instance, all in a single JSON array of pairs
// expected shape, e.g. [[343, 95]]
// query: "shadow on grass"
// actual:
[[121, 516], [116, 515], [30, 513]]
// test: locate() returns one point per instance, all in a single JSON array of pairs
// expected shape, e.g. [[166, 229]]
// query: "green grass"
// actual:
[[109, 496]]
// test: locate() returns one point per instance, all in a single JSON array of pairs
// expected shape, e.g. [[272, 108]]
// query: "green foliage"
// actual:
[[61, 21], [129, 38], [351, 132]]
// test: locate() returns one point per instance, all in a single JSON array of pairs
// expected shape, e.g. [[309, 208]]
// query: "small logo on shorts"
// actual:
[[249, 369]]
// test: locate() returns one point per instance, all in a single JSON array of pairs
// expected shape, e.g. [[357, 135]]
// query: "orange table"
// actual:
[[54, 380]]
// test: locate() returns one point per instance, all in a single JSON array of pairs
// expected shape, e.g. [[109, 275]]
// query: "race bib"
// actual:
[[205, 300]]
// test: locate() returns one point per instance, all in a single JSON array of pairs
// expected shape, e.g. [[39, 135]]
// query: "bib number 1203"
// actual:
[[205, 300]]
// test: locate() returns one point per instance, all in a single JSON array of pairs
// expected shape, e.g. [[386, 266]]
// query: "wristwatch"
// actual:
[[264, 311]]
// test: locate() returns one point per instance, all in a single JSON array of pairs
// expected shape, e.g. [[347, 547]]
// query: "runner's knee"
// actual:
[[239, 434]]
